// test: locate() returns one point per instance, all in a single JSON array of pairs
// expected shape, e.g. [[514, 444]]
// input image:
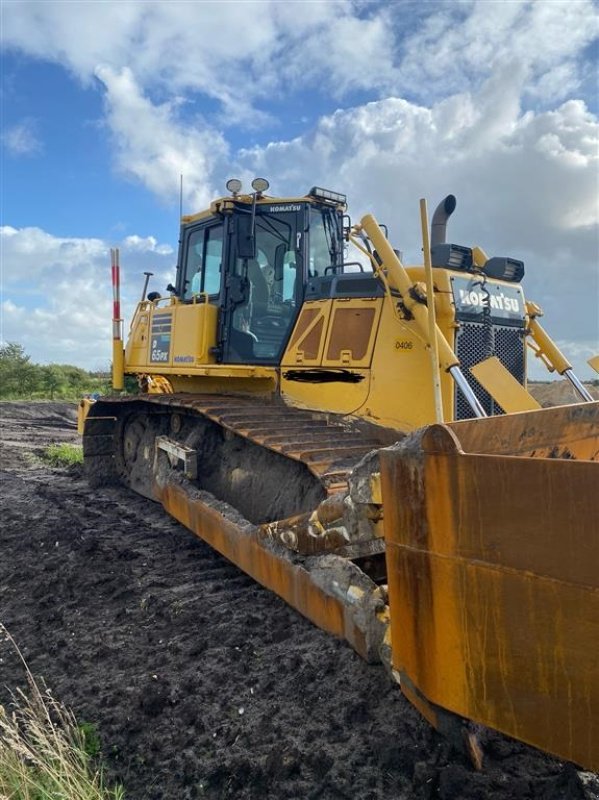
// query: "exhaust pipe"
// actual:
[[439, 222]]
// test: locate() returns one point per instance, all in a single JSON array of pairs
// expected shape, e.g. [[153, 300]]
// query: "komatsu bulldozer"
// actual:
[[357, 435]]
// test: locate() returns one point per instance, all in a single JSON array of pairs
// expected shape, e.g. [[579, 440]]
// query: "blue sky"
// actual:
[[105, 104]]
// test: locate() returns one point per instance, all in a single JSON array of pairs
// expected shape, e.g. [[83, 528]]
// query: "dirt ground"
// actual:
[[202, 684], [556, 393]]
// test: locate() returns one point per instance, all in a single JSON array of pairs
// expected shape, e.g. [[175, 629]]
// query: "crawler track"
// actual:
[[295, 457], [265, 485]]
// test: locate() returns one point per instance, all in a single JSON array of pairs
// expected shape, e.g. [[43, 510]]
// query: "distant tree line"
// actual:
[[21, 379]]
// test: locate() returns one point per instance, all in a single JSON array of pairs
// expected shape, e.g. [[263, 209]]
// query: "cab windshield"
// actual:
[[326, 241]]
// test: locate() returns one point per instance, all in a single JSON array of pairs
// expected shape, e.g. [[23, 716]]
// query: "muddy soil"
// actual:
[[202, 684]]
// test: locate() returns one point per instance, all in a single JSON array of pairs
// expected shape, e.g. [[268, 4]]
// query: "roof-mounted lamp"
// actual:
[[234, 186], [260, 185]]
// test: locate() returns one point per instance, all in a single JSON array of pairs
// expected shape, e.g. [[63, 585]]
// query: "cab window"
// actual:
[[203, 262], [326, 244], [213, 257]]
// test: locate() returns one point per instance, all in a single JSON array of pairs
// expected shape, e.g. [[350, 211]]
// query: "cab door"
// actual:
[[199, 292], [201, 267], [263, 288]]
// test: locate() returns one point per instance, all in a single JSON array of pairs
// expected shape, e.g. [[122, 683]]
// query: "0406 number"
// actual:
[[403, 344]]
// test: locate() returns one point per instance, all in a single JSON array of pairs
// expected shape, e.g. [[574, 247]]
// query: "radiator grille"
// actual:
[[506, 342]]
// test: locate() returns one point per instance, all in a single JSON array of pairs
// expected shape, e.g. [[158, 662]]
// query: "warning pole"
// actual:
[[118, 354]]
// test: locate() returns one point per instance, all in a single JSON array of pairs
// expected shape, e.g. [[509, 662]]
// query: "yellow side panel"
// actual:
[[302, 388], [401, 391], [194, 333], [174, 342], [136, 351], [306, 344], [330, 349], [177, 335], [352, 332]]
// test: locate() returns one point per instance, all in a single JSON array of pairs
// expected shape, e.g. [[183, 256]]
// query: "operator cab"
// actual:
[[252, 257]]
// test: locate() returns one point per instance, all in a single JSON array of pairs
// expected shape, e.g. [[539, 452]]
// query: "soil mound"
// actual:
[[559, 392]]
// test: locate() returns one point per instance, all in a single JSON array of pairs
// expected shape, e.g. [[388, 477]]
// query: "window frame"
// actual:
[[295, 300], [184, 279]]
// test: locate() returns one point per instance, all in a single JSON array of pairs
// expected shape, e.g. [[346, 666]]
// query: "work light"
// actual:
[[260, 185], [326, 194], [234, 186], [452, 256], [504, 269]]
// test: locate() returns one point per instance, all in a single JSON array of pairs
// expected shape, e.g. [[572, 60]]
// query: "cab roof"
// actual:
[[225, 204]]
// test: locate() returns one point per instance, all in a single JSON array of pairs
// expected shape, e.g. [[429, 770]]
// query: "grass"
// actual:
[[44, 753], [63, 455]]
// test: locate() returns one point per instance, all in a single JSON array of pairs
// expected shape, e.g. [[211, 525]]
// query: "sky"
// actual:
[[105, 105]]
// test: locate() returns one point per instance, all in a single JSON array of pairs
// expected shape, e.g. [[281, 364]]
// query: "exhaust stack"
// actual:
[[439, 222]]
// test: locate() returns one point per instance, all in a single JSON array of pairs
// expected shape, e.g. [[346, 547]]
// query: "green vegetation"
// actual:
[[63, 455], [44, 753], [91, 739], [22, 380]]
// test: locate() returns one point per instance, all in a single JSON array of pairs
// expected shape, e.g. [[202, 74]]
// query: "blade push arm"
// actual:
[[546, 349]]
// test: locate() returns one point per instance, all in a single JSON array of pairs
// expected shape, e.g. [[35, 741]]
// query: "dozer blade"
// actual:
[[492, 535]]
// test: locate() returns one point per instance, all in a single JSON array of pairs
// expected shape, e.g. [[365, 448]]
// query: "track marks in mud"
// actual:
[[148, 633]]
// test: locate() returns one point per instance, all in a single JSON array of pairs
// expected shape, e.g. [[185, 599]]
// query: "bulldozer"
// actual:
[[358, 436]]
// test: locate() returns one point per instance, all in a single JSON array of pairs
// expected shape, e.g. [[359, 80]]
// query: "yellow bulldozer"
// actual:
[[358, 436]]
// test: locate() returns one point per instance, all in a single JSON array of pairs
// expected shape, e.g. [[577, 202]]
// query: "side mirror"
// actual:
[[246, 241]]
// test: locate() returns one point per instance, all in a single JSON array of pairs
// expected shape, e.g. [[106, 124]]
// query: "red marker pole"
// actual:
[[118, 354]]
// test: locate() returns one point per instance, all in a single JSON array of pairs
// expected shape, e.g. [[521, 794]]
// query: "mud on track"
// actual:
[[201, 683]]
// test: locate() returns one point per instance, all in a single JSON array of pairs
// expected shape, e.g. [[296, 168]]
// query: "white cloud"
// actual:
[[21, 139], [461, 44], [557, 83], [243, 54], [147, 244], [336, 47], [58, 293], [526, 185], [154, 147], [471, 64], [232, 52], [32, 254]]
